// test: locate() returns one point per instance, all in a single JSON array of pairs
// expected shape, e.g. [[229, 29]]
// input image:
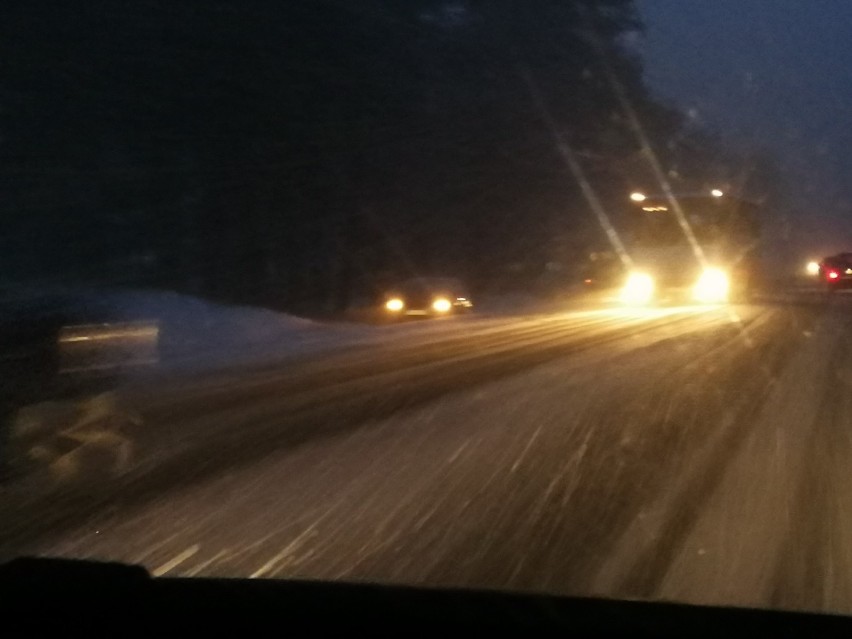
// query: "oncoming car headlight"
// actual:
[[639, 289], [712, 286], [441, 305], [394, 304]]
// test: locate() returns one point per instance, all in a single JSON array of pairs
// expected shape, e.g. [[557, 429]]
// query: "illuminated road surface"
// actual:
[[694, 454]]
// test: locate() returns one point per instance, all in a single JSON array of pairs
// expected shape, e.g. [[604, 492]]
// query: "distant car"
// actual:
[[427, 296], [836, 271]]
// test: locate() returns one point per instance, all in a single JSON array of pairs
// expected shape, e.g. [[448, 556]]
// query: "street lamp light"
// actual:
[[716, 193], [637, 197]]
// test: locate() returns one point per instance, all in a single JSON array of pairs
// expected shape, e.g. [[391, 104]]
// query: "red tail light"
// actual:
[[833, 275]]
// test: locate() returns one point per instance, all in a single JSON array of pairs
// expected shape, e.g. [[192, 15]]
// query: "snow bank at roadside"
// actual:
[[193, 333], [196, 334], [199, 333]]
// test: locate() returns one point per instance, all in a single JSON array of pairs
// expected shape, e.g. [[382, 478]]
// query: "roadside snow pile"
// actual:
[[197, 332], [193, 333]]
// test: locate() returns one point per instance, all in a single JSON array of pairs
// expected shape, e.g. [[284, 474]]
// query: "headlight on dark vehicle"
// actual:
[[712, 287], [395, 304], [639, 289], [441, 305]]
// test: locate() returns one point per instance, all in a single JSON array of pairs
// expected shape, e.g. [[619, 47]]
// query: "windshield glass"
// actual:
[[371, 292]]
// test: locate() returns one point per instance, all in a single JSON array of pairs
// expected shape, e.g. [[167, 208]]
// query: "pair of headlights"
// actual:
[[440, 305], [712, 287]]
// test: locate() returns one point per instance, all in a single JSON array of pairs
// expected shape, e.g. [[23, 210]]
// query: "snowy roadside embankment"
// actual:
[[197, 334], [97, 425]]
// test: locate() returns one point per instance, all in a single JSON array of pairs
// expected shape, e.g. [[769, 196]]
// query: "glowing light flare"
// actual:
[[833, 275], [639, 289], [716, 193], [441, 305], [812, 268], [636, 196], [712, 287], [395, 304]]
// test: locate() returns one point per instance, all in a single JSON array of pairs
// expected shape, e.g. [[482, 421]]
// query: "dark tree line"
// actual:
[[303, 154]]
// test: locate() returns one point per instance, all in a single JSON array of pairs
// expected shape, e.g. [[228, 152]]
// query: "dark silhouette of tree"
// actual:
[[304, 154]]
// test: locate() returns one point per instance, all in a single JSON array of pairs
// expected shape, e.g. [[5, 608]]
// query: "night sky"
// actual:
[[768, 74]]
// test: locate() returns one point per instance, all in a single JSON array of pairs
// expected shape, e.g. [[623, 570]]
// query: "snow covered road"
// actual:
[[694, 454]]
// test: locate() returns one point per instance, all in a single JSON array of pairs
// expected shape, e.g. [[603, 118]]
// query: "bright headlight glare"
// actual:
[[441, 305], [712, 286], [394, 304], [639, 289]]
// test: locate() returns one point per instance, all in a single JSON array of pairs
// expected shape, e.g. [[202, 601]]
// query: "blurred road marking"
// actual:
[[458, 452], [140, 558], [285, 552], [176, 561], [525, 450], [204, 564]]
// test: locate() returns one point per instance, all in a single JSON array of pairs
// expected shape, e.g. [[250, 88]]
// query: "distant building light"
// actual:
[[655, 208], [637, 197], [716, 193]]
